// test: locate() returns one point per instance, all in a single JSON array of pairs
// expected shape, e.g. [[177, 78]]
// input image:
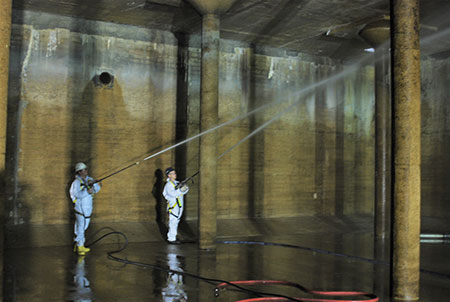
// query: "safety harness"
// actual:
[[83, 185], [177, 203]]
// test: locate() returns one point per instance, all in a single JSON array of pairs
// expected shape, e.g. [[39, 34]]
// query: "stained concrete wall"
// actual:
[[435, 141], [66, 116], [314, 159], [60, 113], [317, 158]]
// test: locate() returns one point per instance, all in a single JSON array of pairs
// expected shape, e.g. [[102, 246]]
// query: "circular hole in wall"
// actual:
[[105, 78]]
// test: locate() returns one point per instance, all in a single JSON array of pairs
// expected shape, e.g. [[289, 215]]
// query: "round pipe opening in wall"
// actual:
[[105, 78]]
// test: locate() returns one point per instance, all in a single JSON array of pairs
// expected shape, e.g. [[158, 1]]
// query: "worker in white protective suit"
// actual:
[[174, 193], [82, 193]]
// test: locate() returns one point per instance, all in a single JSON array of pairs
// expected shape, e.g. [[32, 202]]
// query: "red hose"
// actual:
[[371, 297], [275, 299]]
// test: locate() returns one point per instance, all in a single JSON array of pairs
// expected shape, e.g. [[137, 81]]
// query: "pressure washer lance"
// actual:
[[114, 173], [182, 185]]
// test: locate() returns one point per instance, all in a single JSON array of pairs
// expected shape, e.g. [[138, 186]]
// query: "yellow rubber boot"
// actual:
[[84, 249], [80, 251]]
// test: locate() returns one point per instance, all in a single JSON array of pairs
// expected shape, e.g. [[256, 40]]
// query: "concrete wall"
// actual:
[[435, 139], [65, 117], [316, 158]]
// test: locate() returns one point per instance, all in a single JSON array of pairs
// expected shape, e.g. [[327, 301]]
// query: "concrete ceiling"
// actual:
[[320, 27]]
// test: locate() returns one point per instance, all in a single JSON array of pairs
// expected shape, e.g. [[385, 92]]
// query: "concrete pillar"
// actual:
[[209, 104], [405, 56], [5, 38], [208, 143], [377, 35]]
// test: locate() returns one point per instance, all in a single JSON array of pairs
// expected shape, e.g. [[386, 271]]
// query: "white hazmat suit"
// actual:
[[175, 207], [83, 206]]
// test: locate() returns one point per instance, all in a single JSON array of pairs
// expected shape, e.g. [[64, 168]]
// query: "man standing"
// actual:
[[174, 196], [82, 192]]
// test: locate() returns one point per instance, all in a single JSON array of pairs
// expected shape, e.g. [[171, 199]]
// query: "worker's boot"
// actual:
[[80, 252], [84, 249]]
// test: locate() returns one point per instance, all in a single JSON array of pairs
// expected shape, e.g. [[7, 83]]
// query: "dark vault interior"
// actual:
[[316, 134]]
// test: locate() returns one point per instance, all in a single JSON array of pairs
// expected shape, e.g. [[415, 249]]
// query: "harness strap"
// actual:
[[84, 184], [176, 204], [176, 216], [76, 212]]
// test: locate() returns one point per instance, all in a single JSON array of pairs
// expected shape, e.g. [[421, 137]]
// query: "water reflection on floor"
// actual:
[[321, 261]]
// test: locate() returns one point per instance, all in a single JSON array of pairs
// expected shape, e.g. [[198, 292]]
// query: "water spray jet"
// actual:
[[304, 91]]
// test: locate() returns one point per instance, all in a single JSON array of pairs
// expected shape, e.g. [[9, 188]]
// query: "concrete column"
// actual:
[[383, 138], [405, 56], [209, 107], [377, 35], [5, 38]]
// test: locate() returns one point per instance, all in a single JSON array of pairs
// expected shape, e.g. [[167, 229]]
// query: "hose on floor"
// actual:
[[371, 297], [237, 285], [211, 281]]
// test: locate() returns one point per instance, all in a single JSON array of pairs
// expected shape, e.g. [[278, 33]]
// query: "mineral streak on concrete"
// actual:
[[406, 99]]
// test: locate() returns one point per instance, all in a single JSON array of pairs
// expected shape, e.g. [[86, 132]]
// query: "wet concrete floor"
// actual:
[[319, 261]]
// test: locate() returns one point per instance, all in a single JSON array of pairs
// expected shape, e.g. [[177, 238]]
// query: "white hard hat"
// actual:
[[80, 166]]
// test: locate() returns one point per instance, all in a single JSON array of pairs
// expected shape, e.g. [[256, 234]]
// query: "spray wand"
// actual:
[[179, 185], [114, 173], [183, 182]]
